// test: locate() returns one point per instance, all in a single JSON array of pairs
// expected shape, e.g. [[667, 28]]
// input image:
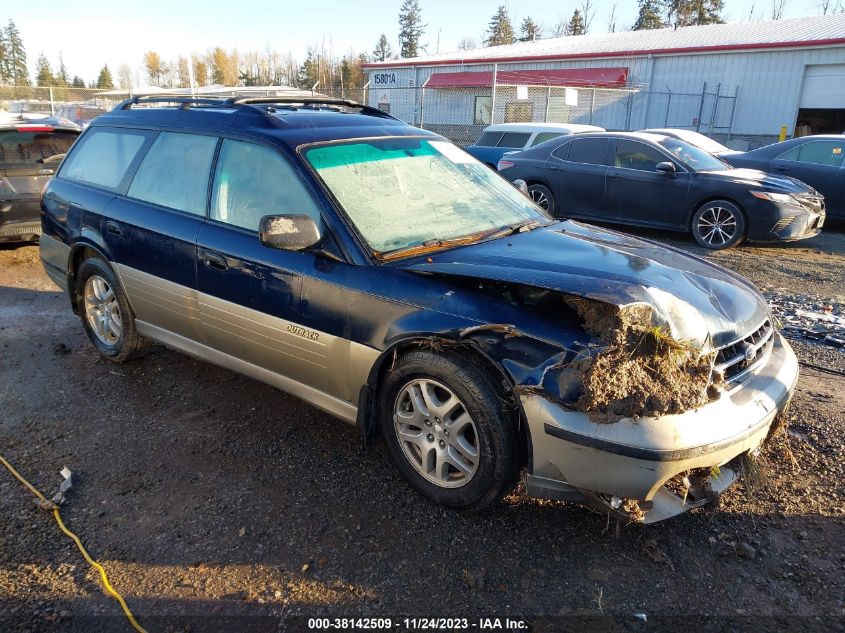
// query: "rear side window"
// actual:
[[25, 149], [828, 153], [514, 139], [636, 155], [542, 137], [103, 156], [252, 181], [587, 150], [488, 139], [175, 172]]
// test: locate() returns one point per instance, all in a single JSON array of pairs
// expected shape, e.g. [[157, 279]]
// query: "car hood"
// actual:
[[701, 303], [757, 178]]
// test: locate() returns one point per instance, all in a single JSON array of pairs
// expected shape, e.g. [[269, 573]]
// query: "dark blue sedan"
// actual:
[[654, 180], [817, 160]]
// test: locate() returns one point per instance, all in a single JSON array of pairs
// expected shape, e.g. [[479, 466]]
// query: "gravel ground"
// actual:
[[218, 503]]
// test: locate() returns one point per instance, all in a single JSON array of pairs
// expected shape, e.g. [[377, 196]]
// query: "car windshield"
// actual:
[[406, 192], [693, 157]]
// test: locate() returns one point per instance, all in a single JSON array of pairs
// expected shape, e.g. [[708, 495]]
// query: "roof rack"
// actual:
[[241, 101], [312, 101], [185, 102]]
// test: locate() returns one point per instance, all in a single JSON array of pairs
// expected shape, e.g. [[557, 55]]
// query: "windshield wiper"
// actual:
[[437, 243]]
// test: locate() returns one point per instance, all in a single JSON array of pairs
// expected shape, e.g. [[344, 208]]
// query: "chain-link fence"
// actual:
[[461, 113], [80, 105], [458, 113]]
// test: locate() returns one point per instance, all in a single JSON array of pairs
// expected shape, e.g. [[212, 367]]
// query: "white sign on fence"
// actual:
[[522, 93], [571, 97]]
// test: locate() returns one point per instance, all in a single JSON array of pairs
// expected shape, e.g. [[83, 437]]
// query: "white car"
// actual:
[[694, 138], [504, 138]]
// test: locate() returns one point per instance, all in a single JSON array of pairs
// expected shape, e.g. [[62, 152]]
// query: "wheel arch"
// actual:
[[79, 252], [369, 393]]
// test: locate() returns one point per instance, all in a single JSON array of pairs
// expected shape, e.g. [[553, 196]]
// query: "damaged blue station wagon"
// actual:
[[380, 273]]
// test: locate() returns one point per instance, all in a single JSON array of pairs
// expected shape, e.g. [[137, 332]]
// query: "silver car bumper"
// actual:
[[573, 455]]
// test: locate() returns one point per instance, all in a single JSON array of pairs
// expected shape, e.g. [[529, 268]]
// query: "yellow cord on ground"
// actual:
[[106, 584]]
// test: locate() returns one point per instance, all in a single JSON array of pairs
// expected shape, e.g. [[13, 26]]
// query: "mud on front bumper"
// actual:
[[577, 459]]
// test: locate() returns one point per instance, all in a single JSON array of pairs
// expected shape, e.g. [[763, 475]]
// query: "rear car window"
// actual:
[[488, 139], [514, 139], [828, 153], [542, 137], [175, 172], [26, 149], [103, 156], [587, 150]]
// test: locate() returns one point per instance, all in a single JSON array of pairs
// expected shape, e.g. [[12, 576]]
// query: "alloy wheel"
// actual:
[[539, 198], [102, 310], [436, 433], [717, 226]]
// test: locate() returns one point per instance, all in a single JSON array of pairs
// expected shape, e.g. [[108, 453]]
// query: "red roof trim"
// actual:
[[632, 53], [600, 77]]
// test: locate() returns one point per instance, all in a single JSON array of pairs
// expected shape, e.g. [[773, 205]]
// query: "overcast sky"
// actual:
[[92, 33]]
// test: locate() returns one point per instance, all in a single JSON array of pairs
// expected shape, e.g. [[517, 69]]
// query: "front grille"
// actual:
[[738, 359], [811, 203], [782, 224], [21, 228]]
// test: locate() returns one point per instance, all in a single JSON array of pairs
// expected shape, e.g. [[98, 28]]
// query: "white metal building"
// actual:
[[740, 81]]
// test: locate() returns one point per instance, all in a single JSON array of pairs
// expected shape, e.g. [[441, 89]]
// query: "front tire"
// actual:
[[718, 224], [106, 315], [542, 197], [448, 430]]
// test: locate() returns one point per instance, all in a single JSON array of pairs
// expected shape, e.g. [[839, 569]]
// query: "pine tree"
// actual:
[[382, 50], [576, 24], [5, 77], [16, 57], [500, 29], [694, 12], [62, 78], [43, 71], [104, 79], [529, 30], [649, 16], [309, 72], [411, 28], [77, 82]]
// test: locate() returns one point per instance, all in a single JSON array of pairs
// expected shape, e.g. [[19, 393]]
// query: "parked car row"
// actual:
[[678, 180]]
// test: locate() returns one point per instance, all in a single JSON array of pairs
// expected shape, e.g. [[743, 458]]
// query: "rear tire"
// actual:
[[718, 224], [448, 430], [105, 312], [542, 197]]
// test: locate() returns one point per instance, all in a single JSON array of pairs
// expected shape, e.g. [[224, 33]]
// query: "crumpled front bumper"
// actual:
[[576, 458]]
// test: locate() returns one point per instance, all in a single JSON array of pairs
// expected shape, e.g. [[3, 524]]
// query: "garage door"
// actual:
[[824, 86]]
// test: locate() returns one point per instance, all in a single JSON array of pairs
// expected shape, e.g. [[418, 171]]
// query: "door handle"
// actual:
[[615, 176], [781, 168], [213, 260], [114, 228]]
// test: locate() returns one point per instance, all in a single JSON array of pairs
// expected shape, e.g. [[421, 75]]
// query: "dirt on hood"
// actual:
[[643, 371]]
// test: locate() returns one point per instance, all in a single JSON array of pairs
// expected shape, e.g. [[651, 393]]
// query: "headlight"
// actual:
[[774, 197]]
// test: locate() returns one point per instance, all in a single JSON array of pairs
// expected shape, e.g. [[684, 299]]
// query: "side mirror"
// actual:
[[666, 167], [520, 184], [289, 232]]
